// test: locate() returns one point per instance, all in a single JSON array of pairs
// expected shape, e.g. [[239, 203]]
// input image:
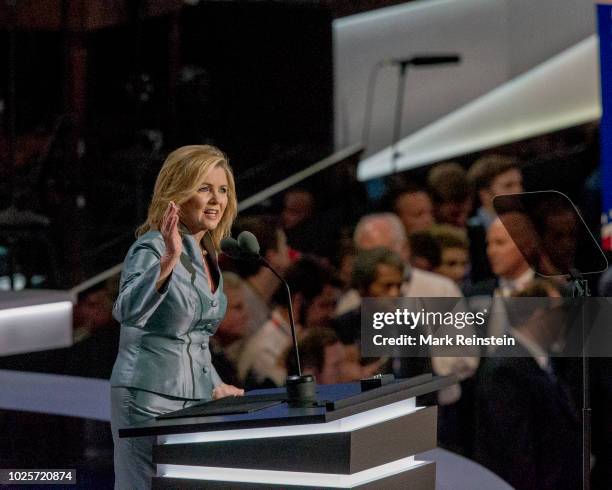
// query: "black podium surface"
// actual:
[[352, 439]]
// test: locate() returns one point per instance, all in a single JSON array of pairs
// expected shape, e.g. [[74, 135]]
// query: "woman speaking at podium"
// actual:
[[170, 302]]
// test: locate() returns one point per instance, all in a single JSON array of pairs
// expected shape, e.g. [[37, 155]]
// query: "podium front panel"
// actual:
[[338, 451], [401, 475]]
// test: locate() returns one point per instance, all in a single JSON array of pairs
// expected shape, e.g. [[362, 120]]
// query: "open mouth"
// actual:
[[211, 213]]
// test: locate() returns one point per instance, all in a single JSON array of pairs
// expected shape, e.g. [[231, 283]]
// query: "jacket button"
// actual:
[[214, 303], [205, 370]]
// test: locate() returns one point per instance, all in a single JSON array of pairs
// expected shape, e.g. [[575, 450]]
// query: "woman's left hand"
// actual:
[[224, 390]]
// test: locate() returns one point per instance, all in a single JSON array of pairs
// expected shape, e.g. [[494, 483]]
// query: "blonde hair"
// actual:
[[179, 179]]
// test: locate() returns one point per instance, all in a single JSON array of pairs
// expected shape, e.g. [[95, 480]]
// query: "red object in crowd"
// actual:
[[294, 254]]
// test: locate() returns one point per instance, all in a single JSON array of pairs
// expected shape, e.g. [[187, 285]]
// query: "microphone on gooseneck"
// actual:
[[230, 247], [248, 243], [245, 248], [301, 389]]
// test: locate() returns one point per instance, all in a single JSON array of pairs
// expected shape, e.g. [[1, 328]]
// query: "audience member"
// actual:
[[386, 230], [313, 296], [547, 248], [377, 273], [261, 283], [413, 206], [512, 272], [454, 253], [318, 311], [298, 207], [558, 226], [604, 287], [344, 264], [93, 312], [489, 176], [95, 336], [451, 194], [425, 251], [528, 430], [321, 355], [228, 342], [310, 228]]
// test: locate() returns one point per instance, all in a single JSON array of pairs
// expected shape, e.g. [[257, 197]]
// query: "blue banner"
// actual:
[[604, 20]]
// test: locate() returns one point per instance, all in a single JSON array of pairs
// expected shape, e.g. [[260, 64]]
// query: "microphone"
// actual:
[[425, 60], [436, 60], [230, 247], [248, 243], [301, 389]]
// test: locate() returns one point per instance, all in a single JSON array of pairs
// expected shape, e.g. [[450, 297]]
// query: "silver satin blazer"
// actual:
[[163, 345]]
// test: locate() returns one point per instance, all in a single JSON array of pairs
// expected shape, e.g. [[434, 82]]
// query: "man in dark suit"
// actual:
[[528, 430], [511, 271]]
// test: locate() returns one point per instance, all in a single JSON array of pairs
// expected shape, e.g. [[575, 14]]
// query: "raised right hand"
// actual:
[[170, 233], [173, 243]]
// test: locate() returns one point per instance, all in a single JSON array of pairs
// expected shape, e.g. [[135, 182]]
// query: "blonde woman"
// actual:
[[170, 302]]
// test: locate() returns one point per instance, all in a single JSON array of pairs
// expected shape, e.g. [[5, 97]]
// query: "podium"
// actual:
[[350, 439]]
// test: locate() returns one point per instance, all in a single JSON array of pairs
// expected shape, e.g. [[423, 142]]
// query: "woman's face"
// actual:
[[203, 211]]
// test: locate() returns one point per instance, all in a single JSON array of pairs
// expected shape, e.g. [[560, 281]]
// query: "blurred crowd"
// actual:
[[517, 414], [440, 239]]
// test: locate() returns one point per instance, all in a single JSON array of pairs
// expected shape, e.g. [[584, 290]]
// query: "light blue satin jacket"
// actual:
[[163, 344]]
